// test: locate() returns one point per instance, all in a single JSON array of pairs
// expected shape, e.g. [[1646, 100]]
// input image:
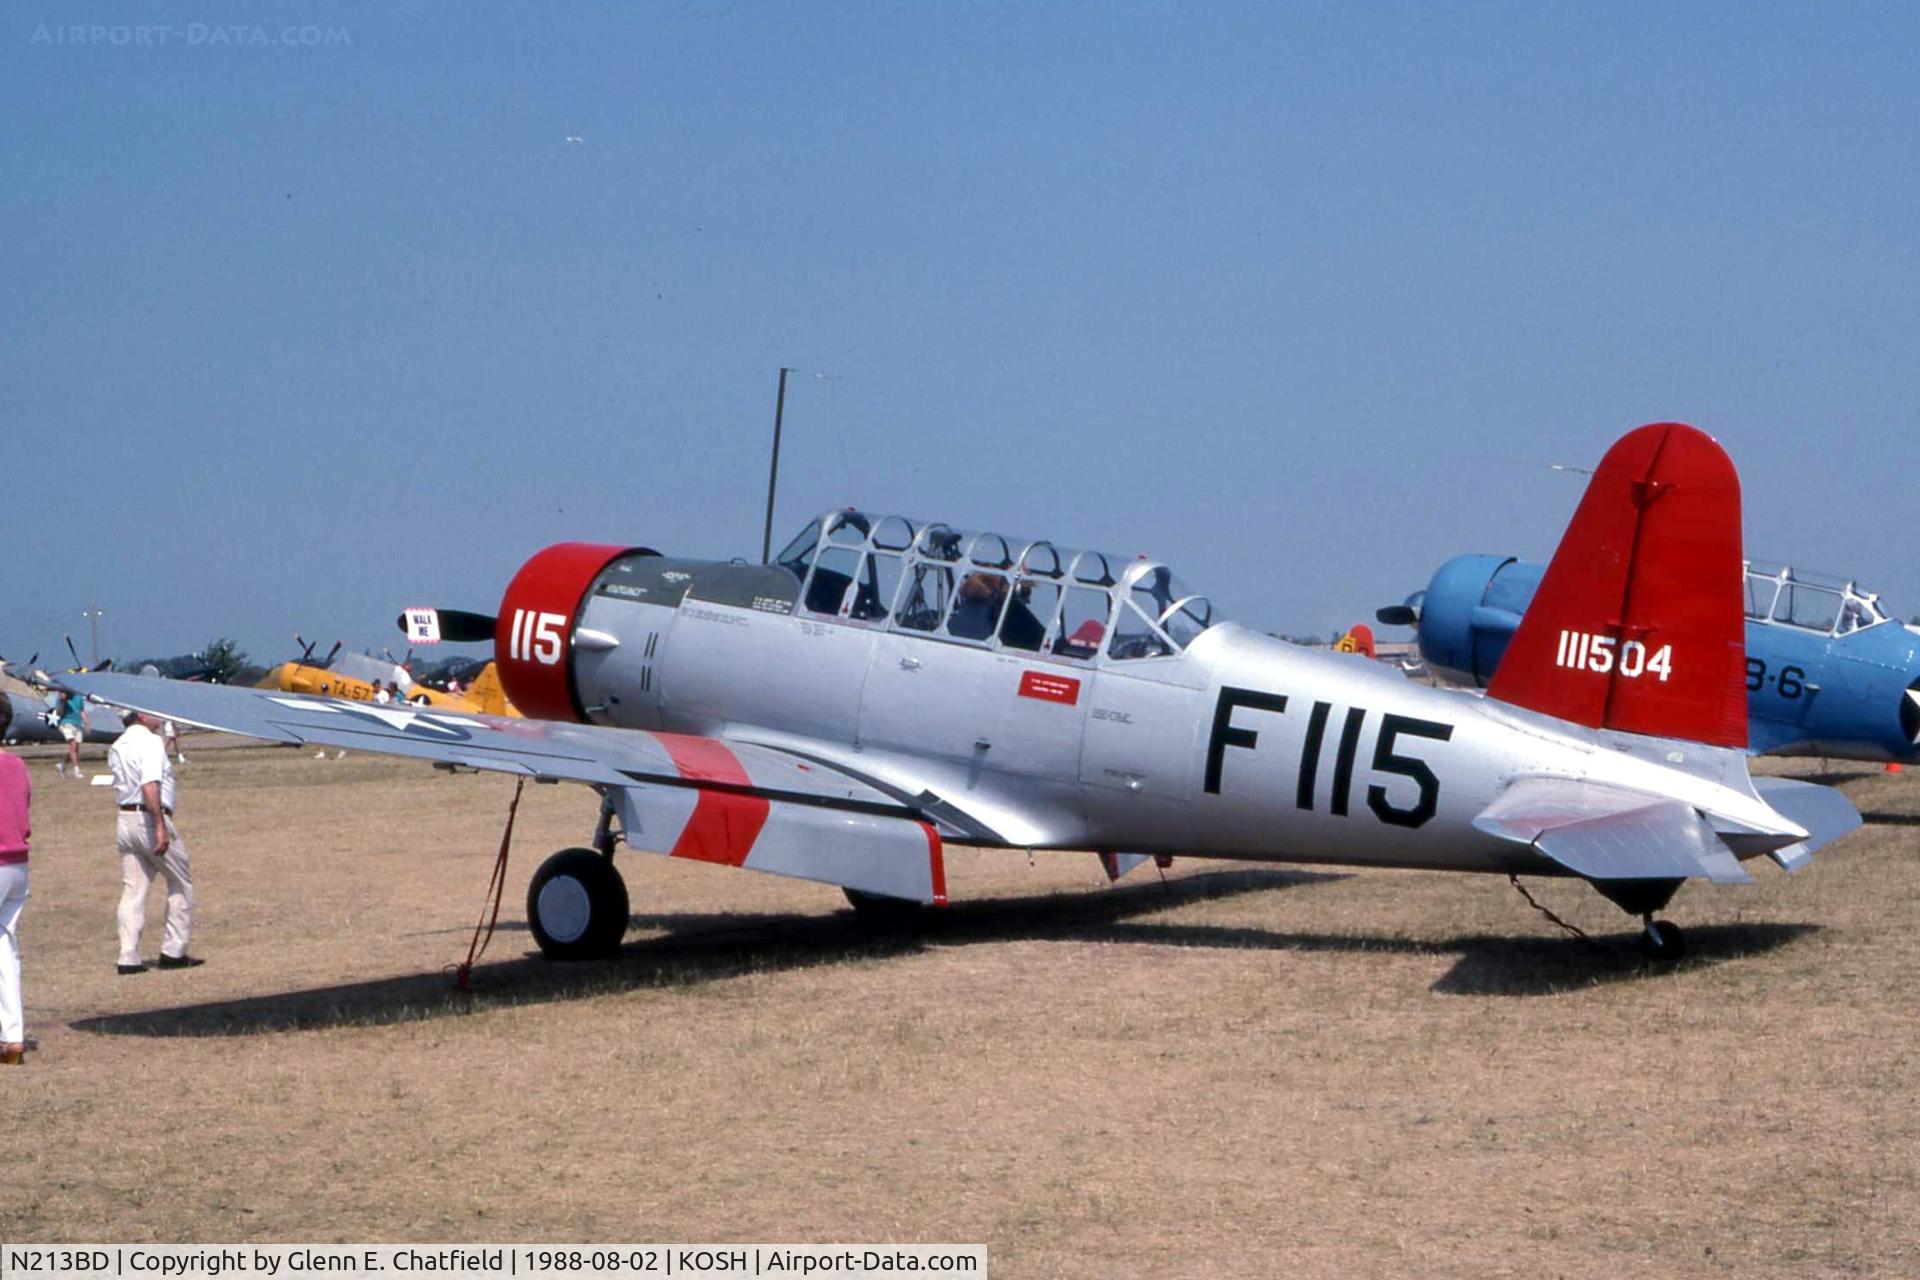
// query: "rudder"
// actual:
[[1638, 624]]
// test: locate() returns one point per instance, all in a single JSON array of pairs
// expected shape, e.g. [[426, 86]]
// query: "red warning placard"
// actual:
[[1048, 687]]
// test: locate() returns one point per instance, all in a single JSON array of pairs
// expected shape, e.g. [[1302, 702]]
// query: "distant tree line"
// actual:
[[221, 661]]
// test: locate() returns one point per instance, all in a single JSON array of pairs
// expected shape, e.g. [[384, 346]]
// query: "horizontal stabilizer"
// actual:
[[1824, 812], [1606, 833]]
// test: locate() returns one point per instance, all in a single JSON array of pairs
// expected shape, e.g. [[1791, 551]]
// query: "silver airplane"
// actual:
[[886, 686]]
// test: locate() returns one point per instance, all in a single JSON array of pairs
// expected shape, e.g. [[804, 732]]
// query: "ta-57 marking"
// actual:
[[1386, 760]]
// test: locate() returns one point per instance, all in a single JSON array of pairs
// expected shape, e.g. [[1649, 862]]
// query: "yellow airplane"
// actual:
[[485, 695], [359, 677]]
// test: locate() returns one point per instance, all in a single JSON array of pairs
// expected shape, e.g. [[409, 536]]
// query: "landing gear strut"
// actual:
[[1662, 943], [577, 906]]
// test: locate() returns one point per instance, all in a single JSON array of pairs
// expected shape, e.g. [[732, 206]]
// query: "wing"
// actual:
[[688, 797]]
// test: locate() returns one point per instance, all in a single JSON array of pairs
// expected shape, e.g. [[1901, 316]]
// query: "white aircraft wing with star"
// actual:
[[678, 794]]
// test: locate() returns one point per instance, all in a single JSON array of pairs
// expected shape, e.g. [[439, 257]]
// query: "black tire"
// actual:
[[881, 912], [577, 906], [1663, 943]]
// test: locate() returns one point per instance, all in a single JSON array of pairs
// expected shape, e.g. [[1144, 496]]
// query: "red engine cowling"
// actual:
[[533, 637]]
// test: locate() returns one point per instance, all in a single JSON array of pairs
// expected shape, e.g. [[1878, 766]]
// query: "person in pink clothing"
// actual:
[[16, 794]]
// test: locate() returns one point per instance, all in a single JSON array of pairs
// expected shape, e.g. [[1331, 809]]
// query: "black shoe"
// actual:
[[179, 962], [126, 969]]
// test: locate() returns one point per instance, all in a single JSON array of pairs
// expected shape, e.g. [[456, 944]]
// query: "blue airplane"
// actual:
[[1828, 672]]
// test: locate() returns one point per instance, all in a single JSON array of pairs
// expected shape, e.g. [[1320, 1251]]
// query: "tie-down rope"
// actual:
[[490, 906]]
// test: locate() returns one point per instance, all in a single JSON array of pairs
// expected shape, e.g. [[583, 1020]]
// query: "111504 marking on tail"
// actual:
[[1585, 651]]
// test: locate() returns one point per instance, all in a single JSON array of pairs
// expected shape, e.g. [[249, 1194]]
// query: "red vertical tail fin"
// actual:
[[1638, 624]]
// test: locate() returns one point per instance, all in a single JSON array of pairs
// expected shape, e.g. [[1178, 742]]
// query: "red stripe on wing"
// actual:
[[936, 864], [724, 825]]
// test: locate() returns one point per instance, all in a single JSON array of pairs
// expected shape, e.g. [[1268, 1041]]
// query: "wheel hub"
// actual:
[[565, 909]]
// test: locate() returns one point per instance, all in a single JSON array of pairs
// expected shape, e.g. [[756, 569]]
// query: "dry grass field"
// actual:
[[1238, 1070]]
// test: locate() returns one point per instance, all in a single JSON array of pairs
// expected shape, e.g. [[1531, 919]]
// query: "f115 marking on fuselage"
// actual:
[[1386, 760]]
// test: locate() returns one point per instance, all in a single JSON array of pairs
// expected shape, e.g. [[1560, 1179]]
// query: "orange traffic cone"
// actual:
[[1893, 766]]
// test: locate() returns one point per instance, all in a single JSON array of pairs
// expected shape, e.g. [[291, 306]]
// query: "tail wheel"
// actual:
[[1663, 943], [577, 906]]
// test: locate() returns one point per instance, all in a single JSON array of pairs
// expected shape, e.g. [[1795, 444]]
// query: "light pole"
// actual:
[[773, 471], [92, 615]]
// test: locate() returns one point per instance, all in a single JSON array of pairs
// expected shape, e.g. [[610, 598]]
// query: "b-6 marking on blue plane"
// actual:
[[1828, 673]]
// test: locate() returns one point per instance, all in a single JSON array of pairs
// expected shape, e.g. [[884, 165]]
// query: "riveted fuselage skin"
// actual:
[[1239, 745]]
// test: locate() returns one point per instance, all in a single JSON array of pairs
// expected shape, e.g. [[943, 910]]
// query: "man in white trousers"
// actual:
[[16, 793], [149, 845]]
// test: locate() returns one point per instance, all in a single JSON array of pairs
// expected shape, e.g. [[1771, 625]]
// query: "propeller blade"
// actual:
[[331, 652], [75, 652], [457, 626], [1402, 615]]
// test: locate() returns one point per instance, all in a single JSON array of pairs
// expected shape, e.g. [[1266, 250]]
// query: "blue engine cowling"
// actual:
[[1469, 612]]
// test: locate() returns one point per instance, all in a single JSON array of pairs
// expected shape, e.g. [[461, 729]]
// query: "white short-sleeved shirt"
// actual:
[[137, 758]]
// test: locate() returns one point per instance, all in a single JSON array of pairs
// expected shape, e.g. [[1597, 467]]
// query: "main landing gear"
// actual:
[[577, 905]]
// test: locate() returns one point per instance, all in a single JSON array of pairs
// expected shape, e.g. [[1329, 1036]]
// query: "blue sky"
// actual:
[[1300, 299]]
